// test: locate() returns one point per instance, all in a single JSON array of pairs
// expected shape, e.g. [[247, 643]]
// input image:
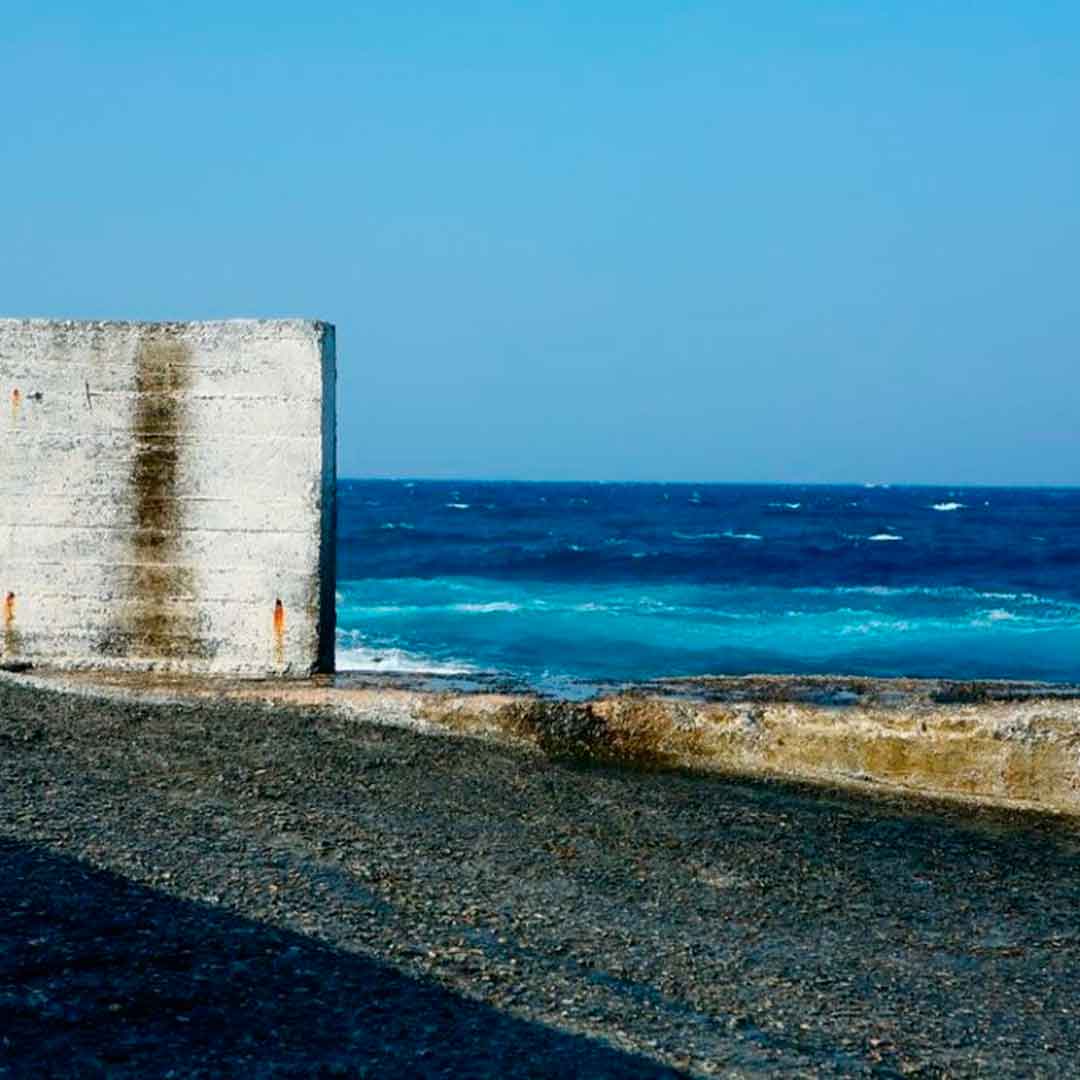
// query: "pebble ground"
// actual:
[[222, 890]]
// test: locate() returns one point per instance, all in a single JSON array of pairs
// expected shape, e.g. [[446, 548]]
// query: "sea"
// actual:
[[566, 587]]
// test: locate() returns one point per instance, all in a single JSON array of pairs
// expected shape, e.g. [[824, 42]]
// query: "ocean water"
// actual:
[[563, 586]]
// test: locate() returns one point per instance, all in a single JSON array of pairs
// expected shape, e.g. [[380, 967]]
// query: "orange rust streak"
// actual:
[[9, 640], [16, 401], [279, 632]]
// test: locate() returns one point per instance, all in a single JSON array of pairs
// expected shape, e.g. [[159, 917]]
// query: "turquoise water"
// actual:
[[557, 585]]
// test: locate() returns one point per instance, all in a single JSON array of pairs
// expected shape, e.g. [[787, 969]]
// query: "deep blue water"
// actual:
[[561, 584]]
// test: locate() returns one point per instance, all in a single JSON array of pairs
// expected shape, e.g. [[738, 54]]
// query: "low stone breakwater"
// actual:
[[1006, 744]]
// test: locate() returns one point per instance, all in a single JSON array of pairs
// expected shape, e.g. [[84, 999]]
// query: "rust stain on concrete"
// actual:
[[11, 634], [16, 403], [279, 633], [156, 620]]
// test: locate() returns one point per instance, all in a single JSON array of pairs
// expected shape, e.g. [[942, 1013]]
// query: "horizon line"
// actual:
[[864, 484]]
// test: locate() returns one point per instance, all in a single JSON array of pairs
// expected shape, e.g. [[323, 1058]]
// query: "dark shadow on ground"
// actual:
[[100, 976]]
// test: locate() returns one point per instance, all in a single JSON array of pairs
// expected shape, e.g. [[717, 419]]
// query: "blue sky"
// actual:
[[726, 241]]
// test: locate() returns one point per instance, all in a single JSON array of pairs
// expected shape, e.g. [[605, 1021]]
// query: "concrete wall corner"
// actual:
[[167, 496]]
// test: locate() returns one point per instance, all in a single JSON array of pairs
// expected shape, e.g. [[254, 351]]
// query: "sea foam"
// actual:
[[396, 662], [486, 609]]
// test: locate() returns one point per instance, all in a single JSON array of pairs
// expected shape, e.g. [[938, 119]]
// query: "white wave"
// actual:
[[385, 609], [884, 537], [1027, 623], [483, 609], [457, 506], [575, 547], [877, 626], [361, 611], [785, 505], [945, 507], [941, 592], [986, 619], [395, 661], [396, 525], [728, 535], [869, 590]]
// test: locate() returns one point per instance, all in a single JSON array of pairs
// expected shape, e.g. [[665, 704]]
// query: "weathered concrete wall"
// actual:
[[167, 495]]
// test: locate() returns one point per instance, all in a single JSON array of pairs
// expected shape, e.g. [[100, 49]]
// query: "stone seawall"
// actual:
[[167, 496], [1022, 752]]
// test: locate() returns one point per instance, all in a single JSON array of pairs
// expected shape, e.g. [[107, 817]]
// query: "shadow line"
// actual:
[[100, 976]]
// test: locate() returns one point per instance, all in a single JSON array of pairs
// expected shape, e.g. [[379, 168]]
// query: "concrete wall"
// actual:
[[167, 495]]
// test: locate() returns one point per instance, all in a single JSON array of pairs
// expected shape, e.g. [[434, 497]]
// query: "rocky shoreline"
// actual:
[[825, 690], [205, 887]]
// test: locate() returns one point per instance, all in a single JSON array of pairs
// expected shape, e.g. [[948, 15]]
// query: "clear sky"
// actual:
[[797, 241]]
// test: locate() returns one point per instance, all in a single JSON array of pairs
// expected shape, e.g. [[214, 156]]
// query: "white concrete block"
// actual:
[[167, 495]]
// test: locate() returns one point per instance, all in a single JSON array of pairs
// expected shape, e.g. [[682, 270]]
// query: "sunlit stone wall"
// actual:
[[167, 496]]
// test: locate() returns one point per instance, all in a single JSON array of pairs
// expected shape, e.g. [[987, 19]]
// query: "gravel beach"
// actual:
[[208, 889]]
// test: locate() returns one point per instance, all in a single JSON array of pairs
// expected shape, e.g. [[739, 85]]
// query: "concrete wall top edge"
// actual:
[[296, 323]]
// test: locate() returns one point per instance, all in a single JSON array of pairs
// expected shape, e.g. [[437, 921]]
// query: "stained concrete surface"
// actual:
[[167, 495]]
